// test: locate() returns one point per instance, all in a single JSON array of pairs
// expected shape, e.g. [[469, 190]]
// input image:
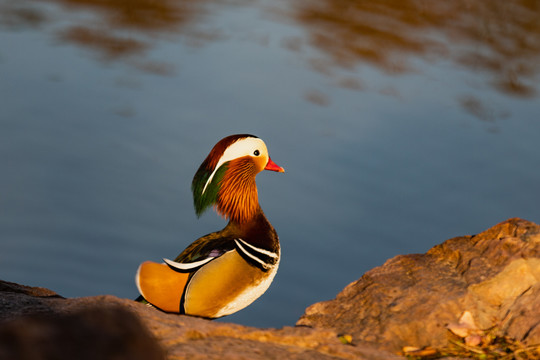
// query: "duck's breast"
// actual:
[[225, 286]]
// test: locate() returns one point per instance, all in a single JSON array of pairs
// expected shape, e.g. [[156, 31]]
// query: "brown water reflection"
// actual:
[[147, 15], [116, 29], [499, 37]]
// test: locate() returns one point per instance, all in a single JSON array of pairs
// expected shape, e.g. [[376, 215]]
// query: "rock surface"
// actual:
[[408, 301], [38, 324]]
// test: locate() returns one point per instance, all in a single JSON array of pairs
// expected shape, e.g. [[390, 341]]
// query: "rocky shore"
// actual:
[[475, 289]]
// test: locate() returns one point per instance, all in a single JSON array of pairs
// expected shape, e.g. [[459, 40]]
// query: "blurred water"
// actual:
[[399, 124]]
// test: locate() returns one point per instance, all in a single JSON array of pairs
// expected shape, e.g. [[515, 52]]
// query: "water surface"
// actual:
[[400, 124]]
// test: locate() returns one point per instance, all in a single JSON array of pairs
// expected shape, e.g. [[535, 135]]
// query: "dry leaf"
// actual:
[[345, 339], [473, 340], [414, 351], [465, 327]]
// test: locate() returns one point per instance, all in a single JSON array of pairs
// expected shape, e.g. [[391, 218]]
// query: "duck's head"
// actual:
[[226, 178]]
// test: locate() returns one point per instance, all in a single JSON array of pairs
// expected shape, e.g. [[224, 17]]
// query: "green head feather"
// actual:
[[203, 197]]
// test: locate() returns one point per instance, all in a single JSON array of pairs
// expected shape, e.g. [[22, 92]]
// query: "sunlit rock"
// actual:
[[411, 299]]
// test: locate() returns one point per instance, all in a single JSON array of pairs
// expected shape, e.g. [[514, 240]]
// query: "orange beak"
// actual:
[[272, 166]]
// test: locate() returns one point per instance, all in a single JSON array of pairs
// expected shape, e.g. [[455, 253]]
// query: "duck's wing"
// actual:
[[207, 247], [163, 285]]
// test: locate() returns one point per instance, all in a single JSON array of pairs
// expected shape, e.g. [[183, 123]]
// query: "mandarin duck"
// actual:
[[225, 271]]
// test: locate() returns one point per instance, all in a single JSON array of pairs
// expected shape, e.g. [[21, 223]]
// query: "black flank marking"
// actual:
[[182, 309], [268, 260]]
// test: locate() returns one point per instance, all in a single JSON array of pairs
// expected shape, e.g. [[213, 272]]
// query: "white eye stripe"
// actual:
[[236, 150]]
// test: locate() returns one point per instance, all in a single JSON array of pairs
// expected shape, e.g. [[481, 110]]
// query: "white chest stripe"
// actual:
[[256, 249], [265, 265], [187, 266]]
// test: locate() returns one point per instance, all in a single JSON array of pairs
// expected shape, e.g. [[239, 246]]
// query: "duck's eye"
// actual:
[[256, 153]]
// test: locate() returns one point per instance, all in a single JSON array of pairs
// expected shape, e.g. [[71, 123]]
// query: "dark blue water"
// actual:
[[399, 125]]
